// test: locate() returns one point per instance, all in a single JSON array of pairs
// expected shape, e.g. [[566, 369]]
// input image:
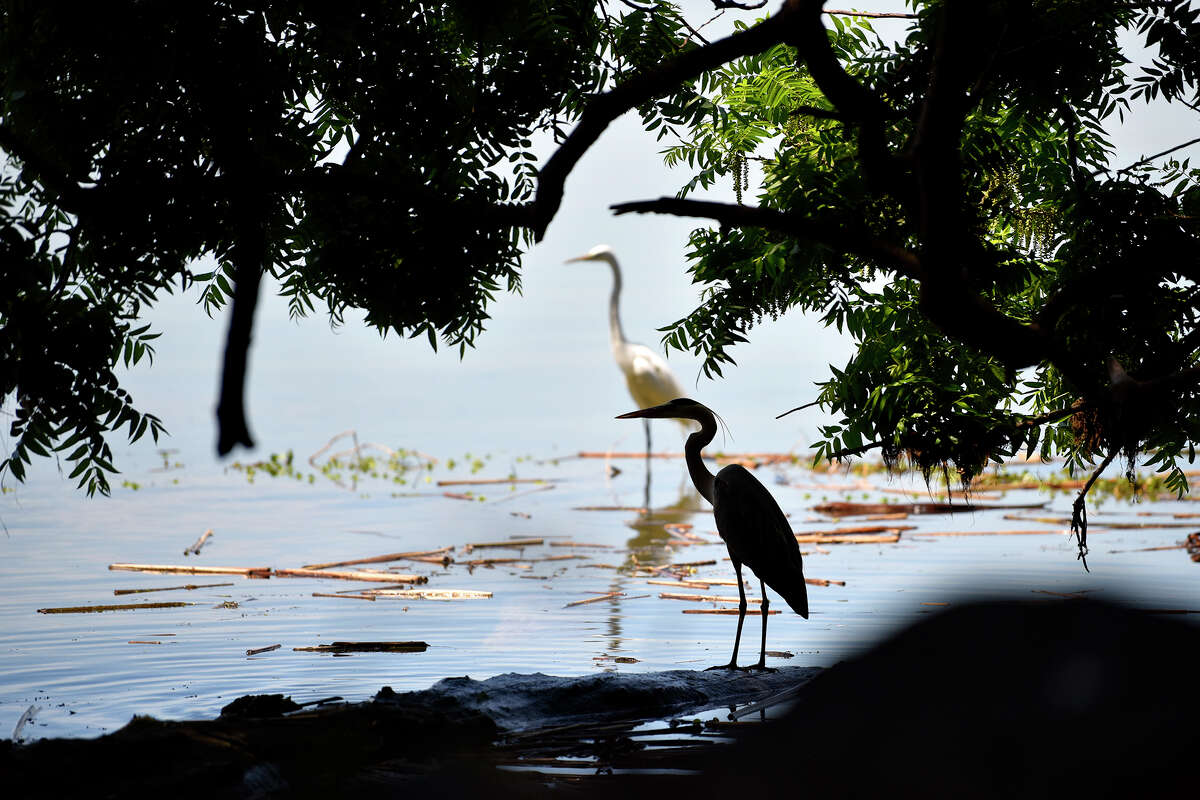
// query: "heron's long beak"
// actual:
[[654, 412], [577, 258]]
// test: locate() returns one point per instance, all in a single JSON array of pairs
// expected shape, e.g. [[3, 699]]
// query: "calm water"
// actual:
[[87, 676]]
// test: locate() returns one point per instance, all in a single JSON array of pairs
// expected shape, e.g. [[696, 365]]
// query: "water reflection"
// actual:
[[651, 544]]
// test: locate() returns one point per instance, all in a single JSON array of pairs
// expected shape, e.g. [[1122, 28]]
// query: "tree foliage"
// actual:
[[947, 199]]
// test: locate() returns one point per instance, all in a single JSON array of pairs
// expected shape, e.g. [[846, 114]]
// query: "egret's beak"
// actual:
[[584, 257], [654, 412]]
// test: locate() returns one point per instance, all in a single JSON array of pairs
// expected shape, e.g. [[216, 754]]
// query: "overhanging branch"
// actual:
[[858, 242], [603, 109]]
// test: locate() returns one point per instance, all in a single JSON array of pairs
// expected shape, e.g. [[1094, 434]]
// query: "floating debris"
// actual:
[[116, 607], [705, 598], [515, 543], [187, 586], [635, 509], [1042, 532], [353, 575], [431, 594], [345, 594], [862, 529], [366, 647], [750, 612], [489, 481], [257, 650], [439, 554], [608, 596], [195, 548], [810, 538], [249, 572], [848, 509]]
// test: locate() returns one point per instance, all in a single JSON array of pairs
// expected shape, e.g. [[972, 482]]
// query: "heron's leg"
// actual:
[[762, 652], [646, 425], [737, 640]]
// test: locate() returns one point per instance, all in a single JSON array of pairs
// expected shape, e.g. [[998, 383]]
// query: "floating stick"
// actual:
[[187, 586], [366, 647], [705, 598], [267, 649], [749, 611], [808, 538], [515, 495], [515, 543], [249, 572], [345, 594], [580, 544], [823, 582], [353, 575], [414, 555], [488, 481], [1043, 532], [431, 594], [117, 607], [682, 584], [195, 548], [862, 529], [638, 509], [609, 596]]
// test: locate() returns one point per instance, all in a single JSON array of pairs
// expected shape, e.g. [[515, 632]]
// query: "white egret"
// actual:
[[754, 528], [647, 375]]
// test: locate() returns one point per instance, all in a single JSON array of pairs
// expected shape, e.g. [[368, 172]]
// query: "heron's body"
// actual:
[[754, 528], [649, 379]]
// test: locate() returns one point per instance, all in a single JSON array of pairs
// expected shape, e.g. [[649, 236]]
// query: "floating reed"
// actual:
[[608, 596], [195, 548], [416, 554], [249, 572], [366, 647], [353, 575], [188, 586], [116, 607], [516, 543], [431, 594]]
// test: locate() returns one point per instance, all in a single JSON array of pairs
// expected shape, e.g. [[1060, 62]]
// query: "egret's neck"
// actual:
[[616, 334], [701, 477]]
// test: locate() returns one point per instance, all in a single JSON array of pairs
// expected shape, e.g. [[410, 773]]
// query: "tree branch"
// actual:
[[250, 251], [1079, 510], [858, 242], [739, 6], [1148, 159], [603, 109], [870, 14]]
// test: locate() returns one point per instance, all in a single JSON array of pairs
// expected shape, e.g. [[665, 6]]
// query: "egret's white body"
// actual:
[[647, 375]]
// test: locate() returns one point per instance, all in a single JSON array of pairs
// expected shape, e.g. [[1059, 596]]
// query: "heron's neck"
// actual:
[[701, 477], [616, 334]]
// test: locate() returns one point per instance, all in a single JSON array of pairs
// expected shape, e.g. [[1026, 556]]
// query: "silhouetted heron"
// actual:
[[754, 528]]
